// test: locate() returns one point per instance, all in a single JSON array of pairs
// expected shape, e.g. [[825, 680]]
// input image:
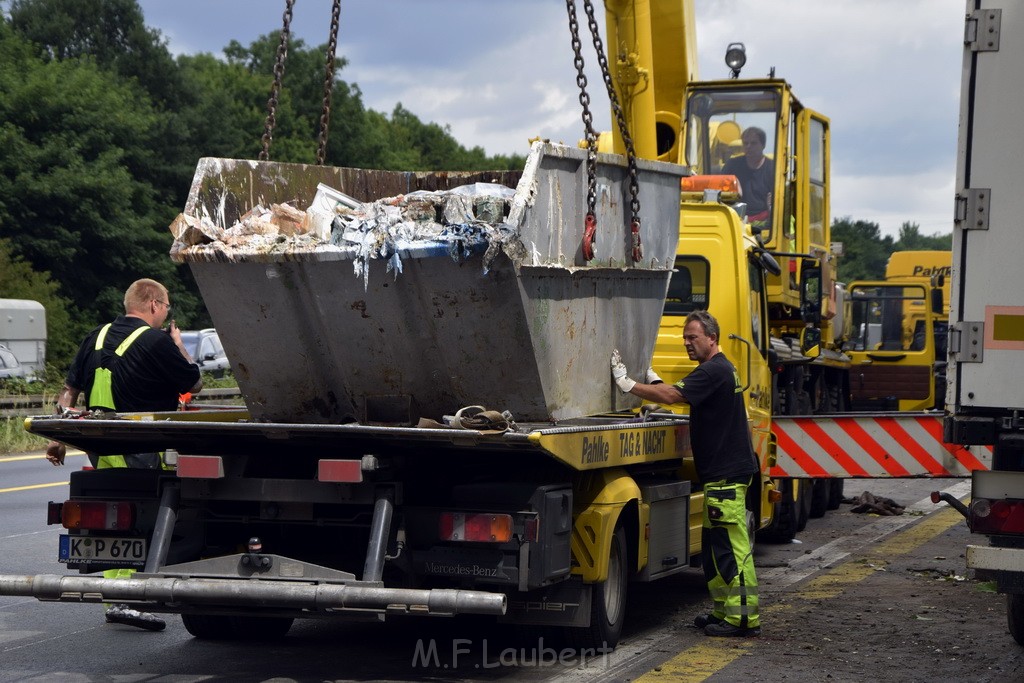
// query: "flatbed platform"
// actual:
[[583, 443]]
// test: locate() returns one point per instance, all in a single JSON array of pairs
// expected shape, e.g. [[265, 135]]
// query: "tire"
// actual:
[[219, 627], [208, 627], [608, 601], [835, 494], [821, 490], [1015, 616], [805, 486], [784, 518]]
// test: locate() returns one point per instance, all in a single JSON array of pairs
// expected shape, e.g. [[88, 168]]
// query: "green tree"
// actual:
[[865, 249], [112, 35], [911, 239], [73, 202]]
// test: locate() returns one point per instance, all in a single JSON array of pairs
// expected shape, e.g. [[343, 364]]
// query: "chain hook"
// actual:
[[590, 222]]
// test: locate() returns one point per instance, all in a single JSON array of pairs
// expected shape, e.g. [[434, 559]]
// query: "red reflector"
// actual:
[[350, 471], [98, 515], [200, 467], [997, 516], [531, 529], [482, 527]]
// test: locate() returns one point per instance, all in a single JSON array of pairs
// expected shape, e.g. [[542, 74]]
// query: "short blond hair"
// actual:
[[141, 292]]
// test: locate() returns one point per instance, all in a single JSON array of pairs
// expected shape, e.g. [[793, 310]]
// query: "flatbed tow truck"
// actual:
[[365, 478]]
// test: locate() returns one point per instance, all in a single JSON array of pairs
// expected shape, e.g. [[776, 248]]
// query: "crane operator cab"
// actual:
[[754, 140]]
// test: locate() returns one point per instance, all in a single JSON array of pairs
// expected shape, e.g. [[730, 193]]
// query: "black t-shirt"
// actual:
[[150, 374], [719, 433], [755, 183]]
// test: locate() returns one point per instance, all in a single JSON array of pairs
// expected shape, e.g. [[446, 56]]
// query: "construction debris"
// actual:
[[868, 502], [457, 221]]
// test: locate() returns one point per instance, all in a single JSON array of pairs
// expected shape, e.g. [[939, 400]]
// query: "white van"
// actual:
[[23, 332]]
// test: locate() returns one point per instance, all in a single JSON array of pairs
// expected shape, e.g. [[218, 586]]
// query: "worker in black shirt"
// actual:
[[130, 365], [726, 465], [756, 174]]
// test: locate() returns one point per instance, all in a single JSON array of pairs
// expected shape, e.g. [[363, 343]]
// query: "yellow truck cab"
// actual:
[[891, 346]]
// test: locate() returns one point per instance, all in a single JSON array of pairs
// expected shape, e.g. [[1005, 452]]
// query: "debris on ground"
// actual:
[[867, 502]]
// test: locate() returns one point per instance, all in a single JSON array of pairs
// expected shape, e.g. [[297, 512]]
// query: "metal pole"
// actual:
[[165, 519], [154, 594]]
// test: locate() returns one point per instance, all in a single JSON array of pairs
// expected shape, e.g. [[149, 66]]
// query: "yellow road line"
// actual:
[[709, 657], [699, 662], [34, 486]]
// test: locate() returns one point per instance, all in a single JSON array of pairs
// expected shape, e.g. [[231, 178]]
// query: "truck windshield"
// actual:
[[889, 318], [716, 121]]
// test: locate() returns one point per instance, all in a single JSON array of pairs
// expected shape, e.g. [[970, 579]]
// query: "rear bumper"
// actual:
[[989, 558]]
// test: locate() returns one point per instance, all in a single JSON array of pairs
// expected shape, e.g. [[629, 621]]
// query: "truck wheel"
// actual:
[[219, 627], [835, 494], [785, 516], [821, 489], [1015, 616], [607, 602], [209, 626], [803, 500]]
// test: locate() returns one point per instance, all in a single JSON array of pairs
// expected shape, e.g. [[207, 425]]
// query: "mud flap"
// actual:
[[563, 604]]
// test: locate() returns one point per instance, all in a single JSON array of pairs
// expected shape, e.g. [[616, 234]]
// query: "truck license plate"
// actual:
[[127, 552]]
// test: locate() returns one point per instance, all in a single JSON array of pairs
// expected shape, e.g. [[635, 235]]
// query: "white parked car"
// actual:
[[10, 368], [205, 348]]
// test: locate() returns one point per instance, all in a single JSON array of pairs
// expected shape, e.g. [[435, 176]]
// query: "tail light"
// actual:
[[997, 516], [480, 527], [97, 515]]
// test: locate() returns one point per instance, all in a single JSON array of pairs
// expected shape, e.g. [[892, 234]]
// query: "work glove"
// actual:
[[619, 373], [652, 377]]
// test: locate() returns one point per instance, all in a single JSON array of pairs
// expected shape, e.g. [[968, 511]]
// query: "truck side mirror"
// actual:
[[770, 265], [936, 294], [810, 292], [810, 342]]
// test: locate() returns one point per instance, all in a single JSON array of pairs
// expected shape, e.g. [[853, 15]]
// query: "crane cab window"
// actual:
[[688, 288], [720, 125]]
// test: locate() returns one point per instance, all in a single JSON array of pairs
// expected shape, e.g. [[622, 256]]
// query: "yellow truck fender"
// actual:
[[601, 499]]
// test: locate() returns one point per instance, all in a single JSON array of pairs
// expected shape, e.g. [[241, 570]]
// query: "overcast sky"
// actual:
[[498, 72]]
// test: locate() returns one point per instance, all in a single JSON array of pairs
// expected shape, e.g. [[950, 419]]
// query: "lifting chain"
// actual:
[[627, 140], [325, 114], [590, 223], [282, 54]]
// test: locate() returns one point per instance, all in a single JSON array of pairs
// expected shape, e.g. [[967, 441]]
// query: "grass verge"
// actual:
[[14, 438]]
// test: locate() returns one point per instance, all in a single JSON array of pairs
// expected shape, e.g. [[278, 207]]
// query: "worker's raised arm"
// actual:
[[654, 389]]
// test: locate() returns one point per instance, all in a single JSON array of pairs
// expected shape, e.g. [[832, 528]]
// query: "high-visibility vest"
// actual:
[[101, 395]]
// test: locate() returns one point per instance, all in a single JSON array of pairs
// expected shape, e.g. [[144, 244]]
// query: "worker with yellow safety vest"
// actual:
[[130, 365]]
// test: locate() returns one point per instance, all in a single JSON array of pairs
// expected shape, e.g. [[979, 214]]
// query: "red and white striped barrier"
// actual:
[[869, 446]]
